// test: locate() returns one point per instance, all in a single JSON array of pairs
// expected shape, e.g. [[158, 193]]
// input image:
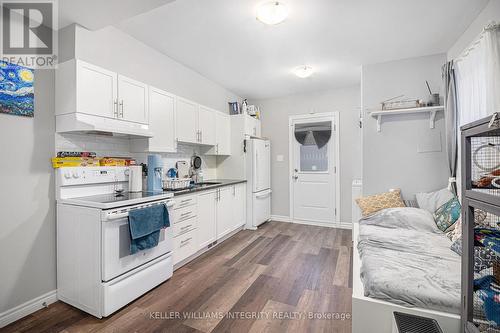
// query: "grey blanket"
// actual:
[[406, 260]]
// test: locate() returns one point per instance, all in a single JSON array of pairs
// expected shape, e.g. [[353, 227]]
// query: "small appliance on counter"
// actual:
[[182, 169], [155, 173], [135, 178], [196, 172]]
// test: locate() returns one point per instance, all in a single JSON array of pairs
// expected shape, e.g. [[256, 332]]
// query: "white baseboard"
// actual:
[[288, 219], [27, 308]]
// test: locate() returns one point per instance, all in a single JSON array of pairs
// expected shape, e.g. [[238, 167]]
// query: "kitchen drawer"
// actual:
[[185, 201], [183, 214], [185, 226], [185, 246]]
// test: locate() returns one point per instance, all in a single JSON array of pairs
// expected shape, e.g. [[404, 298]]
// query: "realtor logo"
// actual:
[[29, 33]]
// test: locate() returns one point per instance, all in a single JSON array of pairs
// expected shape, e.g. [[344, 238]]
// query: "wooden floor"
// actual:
[[270, 280]]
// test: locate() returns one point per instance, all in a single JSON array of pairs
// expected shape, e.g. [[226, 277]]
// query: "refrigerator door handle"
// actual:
[[260, 196]]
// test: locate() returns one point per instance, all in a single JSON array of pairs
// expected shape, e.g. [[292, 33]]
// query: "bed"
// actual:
[[402, 262]]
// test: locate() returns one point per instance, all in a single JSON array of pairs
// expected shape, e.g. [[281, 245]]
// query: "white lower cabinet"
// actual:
[[201, 219], [239, 205], [184, 221], [208, 221], [224, 211]]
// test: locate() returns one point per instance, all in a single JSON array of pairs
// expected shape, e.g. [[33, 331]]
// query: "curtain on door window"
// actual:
[[478, 77], [313, 139]]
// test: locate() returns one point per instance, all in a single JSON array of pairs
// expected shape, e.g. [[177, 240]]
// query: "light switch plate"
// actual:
[[280, 158]]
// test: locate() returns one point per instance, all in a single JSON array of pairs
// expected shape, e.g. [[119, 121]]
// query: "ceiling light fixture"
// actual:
[[272, 12], [303, 71]]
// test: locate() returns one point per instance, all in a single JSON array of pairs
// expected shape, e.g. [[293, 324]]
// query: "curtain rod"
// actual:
[[477, 40]]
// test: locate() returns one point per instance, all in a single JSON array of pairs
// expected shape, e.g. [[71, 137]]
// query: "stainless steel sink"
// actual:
[[207, 183]]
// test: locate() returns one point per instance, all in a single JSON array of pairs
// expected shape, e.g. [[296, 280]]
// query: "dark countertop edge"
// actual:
[[224, 182]]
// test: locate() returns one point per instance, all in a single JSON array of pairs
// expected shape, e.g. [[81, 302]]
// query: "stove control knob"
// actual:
[[67, 175], [76, 175]]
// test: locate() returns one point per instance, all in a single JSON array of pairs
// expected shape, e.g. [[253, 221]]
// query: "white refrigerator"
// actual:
[[258, 169]]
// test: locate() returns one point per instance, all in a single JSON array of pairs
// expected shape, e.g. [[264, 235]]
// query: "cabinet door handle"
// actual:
[[217, 149], [201, 136], [115, 108], [121, 106]]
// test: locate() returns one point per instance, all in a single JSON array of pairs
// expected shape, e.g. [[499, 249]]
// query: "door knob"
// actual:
[[295, 177]]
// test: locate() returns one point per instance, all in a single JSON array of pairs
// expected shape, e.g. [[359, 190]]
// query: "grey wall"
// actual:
[[27, 209], [390, 157], [490, 13], [275, 114]]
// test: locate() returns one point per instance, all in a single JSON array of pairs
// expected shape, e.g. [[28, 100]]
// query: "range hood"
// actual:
[[85, 123]]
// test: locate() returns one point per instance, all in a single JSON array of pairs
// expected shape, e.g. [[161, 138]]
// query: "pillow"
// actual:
[[446, 215], [433, 200], [374, 203], [483, 258], [456, 233], [456, 246]]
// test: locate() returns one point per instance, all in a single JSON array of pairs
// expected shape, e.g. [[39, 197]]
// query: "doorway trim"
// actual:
[[335, 176]]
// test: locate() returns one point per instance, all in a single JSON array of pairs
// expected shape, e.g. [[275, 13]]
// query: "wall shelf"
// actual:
[[430, 109]]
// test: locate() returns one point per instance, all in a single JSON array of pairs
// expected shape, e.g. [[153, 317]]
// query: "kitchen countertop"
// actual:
[[222, 183]]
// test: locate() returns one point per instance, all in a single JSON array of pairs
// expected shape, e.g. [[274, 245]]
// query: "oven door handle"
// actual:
[[112, 217]]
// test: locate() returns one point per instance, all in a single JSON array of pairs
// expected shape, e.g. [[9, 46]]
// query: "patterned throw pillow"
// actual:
[[483, 258], [446, 215], [374, 203]]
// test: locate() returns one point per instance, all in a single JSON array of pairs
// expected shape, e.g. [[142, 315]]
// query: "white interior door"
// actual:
[[313, 167]]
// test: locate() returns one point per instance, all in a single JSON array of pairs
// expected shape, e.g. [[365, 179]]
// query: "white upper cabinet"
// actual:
[[186, 120], [83, 88], [206, 126], [162, 124], [194, 123], [96, 91], [132, 100], [252, 126], [222, 135]]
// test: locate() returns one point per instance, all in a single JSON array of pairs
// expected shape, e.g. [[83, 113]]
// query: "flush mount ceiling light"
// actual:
[[272, 12], [303, 71]]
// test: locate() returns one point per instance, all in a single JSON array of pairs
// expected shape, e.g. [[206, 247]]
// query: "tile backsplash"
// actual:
[[104, 145]]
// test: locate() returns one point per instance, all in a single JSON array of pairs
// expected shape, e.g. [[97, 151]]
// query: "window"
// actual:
[[313, 139]]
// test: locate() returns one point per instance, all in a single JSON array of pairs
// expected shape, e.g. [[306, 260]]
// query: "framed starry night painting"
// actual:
[[16, 90]]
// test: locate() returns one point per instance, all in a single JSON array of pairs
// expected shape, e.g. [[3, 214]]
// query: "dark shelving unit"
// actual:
[[480, 153]]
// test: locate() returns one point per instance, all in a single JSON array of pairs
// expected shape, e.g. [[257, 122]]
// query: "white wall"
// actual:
[[27, 207], [27, 236], [391, 158], [490, 13], [113, 49], [275, 114]]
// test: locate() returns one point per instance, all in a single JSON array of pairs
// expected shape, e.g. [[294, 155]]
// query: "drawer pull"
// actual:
[[185, 214], [185, 200], [186, 241], [185, 227]]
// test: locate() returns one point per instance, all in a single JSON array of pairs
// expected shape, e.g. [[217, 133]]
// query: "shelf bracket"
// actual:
[[432, 119], [379, 123]]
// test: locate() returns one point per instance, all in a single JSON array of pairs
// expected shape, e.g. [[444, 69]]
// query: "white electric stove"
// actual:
[[95, 270]]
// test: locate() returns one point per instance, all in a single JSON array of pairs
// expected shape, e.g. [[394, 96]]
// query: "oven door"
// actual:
[[116, 257]]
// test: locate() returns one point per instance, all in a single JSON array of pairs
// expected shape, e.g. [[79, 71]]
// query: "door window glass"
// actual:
[[313, 139]]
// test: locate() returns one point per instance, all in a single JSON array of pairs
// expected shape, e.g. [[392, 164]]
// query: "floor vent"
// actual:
[[407, 323]]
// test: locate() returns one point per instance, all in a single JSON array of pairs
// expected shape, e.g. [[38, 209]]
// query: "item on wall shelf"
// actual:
[[65, 162], [244, 106], [116, 161], [76, 154], [397, 103], [234, 108], [172, 173], [16, 90], [433, 97]]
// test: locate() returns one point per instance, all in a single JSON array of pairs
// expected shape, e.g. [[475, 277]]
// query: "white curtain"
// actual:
[[478, 78]]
